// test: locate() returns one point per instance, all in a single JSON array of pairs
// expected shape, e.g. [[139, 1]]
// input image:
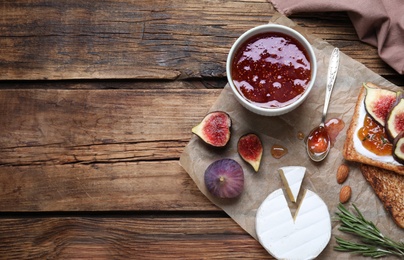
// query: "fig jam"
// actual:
[[334, 126], [278, 151], [271, 70], [318, 140], [300, 135], [374, 138]]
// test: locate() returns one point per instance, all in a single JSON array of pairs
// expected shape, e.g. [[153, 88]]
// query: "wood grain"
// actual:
[[122, 39], [93, 119], [62, 120], [126, 238], [141, 186], [129, 39], [87, 150]]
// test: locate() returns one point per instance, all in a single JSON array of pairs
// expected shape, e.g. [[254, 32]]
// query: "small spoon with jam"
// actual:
[[318, 141]]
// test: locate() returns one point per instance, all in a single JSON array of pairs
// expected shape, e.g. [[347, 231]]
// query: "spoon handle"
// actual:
[[332, 74]]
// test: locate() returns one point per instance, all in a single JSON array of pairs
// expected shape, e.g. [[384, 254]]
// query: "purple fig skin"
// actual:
[[214, 129], [224, 178], [398, 148]]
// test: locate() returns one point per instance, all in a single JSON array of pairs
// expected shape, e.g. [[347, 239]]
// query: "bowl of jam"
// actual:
[[271, 69]]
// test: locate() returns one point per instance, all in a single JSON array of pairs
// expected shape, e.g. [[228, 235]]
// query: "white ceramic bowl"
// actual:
[[273, 111]]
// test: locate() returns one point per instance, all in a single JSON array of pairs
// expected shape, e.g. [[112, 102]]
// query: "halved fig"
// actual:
[[224, 178], [214, 129], [250, 149], [378, 102], [398, 148], [395, 121]]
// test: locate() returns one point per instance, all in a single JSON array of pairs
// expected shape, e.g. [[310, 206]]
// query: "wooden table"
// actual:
[[97, 102]]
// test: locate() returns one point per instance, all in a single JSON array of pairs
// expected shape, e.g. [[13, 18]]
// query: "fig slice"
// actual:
[[398, 148], [395, 120], [250, 149], [214, 129], [224, 178], [378, 102]]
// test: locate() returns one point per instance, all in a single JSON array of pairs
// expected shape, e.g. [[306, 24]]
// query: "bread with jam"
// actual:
[[385, 176], [351, 150]]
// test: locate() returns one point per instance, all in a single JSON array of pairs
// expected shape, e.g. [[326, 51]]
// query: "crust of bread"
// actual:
[[349, 151], [389, 187]]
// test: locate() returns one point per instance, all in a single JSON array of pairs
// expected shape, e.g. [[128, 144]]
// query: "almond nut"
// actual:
[[342, 173], [345, 194]]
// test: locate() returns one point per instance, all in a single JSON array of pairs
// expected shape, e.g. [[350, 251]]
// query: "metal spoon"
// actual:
[[318, 142]]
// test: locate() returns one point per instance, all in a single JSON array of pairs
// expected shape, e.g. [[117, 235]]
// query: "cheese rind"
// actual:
[[286, 238], [292, 178]]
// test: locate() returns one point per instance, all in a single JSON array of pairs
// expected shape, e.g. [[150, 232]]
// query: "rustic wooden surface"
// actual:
[[92, 122]]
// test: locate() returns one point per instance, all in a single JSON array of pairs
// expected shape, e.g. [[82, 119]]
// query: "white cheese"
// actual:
[[286, 238], [292, 178], [358, 143]]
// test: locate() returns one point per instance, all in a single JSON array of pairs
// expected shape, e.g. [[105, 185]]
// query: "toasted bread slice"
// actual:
[[351, 154], [389, 187]]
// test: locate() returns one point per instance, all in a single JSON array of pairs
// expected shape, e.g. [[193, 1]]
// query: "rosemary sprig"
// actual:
[[374, 243]]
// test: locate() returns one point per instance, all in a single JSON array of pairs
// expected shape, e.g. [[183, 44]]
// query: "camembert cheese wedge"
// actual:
[[302, 236], [285, 237], [292, 178]]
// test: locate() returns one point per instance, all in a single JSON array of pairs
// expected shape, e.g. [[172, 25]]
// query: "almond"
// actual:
[[342, 173], [345, 194]]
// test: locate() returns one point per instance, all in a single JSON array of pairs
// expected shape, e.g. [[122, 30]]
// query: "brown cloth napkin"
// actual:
[[377, 22]]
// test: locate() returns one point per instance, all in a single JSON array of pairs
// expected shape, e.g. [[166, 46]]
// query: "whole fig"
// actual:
[[224, 178]]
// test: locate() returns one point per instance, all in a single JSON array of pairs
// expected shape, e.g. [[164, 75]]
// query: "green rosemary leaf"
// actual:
[[373, 242]]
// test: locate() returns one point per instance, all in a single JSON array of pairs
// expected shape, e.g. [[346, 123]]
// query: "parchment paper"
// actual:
[[283, 130]]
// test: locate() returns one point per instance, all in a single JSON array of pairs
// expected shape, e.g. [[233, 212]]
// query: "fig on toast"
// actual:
[[398, 148], [250, 149], [378, 102], [395, 120], [214, 129]]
